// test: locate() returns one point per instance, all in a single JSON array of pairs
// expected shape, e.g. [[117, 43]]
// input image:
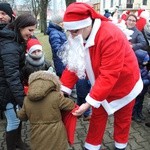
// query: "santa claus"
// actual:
[[109, 62]]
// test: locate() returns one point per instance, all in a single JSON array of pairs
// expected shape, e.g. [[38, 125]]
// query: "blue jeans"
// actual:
[[12, 120]]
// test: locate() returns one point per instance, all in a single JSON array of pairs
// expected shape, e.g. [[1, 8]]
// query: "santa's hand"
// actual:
[[81, 109]]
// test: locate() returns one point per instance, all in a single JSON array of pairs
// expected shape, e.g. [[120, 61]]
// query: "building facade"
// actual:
[[101, 5]]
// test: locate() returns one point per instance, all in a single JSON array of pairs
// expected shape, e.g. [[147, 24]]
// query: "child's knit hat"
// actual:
[[142, 56], [32, 45]]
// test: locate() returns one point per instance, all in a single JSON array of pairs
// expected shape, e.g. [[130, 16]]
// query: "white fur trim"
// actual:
[[145, 14], [89, 69], [118, 103], [65, 89], [93, 102], [35, 47], [92, 147], [89, 43], [120, 145], [74, 25], [95, 28]]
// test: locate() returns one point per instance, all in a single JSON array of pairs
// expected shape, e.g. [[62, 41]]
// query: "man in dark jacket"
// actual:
[[6, 15], [8, 82]]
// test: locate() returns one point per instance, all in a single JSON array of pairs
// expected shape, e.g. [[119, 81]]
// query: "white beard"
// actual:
[[73, 55]]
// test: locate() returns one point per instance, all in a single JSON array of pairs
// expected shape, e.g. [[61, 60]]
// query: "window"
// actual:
[[144, 2], [97, 7], [130, 1]]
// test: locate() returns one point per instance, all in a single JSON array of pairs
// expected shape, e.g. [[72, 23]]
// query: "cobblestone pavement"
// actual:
[[139, 138]]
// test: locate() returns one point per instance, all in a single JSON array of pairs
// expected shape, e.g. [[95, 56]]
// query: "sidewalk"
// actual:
[[139, 138]]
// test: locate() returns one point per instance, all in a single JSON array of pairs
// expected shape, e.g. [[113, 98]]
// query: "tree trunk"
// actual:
[[43, 16], [69, 2]]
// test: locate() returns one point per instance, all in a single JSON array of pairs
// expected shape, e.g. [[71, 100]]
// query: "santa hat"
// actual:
[[79, 15], [142, 13], [32, 45], [139, 12]]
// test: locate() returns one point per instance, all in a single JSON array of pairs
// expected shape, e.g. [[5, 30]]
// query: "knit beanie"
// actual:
[[142, 56], [7, 9], [33, 45]]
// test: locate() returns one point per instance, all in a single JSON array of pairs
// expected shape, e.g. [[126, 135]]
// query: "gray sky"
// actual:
[[19, 1]]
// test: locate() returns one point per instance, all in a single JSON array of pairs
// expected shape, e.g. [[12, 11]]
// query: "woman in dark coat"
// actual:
[[138, 41], [12, 54]]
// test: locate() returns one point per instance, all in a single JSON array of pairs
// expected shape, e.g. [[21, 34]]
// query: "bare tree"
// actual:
[[33, 6], [36, 7], [69, 2], [43, 15], [11, 2]]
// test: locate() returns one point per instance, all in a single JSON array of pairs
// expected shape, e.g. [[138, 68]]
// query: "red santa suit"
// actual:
[[142, 16], [113, 71], [124, 16]]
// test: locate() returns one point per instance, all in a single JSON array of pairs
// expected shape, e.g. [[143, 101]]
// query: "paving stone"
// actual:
[[139, 138]]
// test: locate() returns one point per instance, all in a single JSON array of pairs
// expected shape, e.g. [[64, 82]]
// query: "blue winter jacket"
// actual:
[[57, 37]]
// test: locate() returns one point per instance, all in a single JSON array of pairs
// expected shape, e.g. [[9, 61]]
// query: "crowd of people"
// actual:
[[85, 55]]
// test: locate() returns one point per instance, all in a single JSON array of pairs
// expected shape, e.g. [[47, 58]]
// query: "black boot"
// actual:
[[11, 138], [141, 116], [119, 148], [19, 143], [136, 117], [147, 124]]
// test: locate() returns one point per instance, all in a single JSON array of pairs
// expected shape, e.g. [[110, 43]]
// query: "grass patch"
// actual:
[[45, 44]]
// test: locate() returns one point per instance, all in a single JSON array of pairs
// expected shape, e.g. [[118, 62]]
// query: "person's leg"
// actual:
[[122, 122], [142, 95], [147, 124], [140, 108], [13, 129], [96, 129], [83, 87], [135, 111], [12, 126]]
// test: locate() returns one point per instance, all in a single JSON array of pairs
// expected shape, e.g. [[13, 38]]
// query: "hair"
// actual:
[[57, 18], [22, 21], [132, 16]]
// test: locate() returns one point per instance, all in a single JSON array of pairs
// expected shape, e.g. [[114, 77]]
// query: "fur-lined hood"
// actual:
[[42, 83]]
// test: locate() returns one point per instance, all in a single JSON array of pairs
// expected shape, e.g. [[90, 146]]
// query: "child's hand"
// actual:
[[81, 109], [18, 108]]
